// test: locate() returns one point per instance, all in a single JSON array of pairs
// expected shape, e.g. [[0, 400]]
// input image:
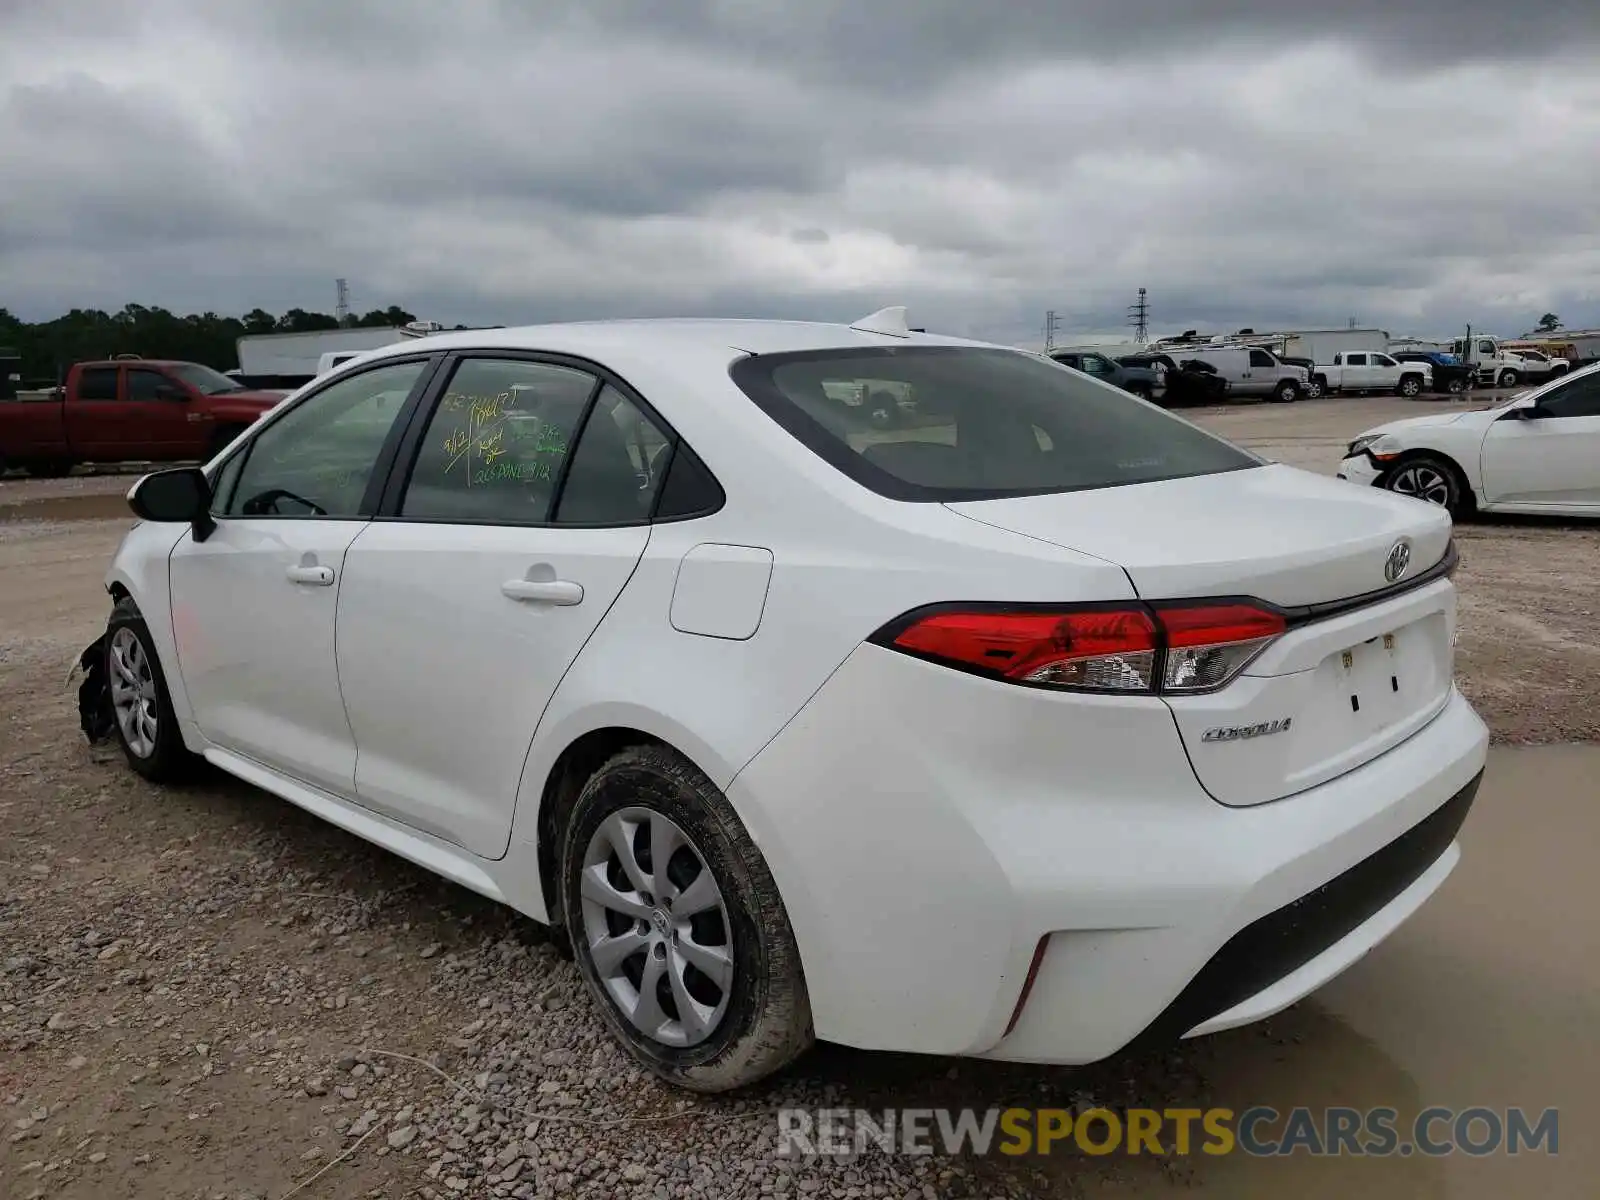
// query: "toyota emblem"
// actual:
[[1398, 562]]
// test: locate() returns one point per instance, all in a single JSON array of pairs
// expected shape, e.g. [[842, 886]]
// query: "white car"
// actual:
[[1539, 453], [1038, 725]]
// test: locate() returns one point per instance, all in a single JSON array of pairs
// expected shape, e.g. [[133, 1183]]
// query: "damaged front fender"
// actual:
[[95, 712]]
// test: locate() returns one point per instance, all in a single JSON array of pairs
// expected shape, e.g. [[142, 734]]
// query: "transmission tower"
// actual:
[[1139, 318], [342, 307], [1051, 324]]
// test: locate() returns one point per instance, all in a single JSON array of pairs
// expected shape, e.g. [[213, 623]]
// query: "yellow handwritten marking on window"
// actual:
[[492, 448], [495, 430], [456, 445]]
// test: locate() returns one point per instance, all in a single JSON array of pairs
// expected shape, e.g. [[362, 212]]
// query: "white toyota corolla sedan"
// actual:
[[1032, 722], [1538, 453]]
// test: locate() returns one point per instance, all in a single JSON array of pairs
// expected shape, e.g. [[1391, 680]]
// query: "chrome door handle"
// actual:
[[543, 591], [315, 576]]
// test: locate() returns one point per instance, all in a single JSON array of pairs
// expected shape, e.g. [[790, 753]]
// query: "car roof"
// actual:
[[138, 362], [696, 336]]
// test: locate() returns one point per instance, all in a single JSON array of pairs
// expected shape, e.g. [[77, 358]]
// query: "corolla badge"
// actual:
[[1398, 562], [1238, 733]]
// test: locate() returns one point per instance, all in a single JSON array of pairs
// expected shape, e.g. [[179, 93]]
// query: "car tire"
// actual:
[[1425, 477], [1410, 386], [1456, 386], [146, 726], [1315, 389], [1141, 390], [1286, 392], [1507, 379], [52, 468], [753, 1021]]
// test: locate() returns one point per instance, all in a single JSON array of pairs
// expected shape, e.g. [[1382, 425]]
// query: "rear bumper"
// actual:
[[926, 837]]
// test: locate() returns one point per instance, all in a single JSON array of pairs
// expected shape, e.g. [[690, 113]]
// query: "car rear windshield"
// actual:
[[947, 423]]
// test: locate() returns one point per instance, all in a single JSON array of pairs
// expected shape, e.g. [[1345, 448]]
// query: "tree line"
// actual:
[[47, 348]]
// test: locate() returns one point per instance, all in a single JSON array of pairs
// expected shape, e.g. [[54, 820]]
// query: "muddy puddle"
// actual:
[[1488, 998], [97, 506]]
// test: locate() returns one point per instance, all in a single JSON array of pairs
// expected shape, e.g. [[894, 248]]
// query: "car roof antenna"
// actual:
[[891, 322]]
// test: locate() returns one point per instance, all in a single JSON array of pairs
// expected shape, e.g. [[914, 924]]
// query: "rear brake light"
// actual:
[[1129, 649]]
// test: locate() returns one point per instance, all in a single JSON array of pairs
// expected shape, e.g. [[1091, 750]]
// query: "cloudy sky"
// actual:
[[1251, 162]]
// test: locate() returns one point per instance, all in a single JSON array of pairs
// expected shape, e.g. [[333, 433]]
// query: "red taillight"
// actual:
[[1103, 649], [1134, 648]]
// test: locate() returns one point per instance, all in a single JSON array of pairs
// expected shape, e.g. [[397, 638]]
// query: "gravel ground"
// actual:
[[207, 993]]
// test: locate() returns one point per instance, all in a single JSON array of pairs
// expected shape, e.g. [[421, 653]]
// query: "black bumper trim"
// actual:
[[1283, 941]]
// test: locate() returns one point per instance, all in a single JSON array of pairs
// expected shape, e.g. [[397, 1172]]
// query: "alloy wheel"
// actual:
[[1422, 482], [133, 693], [656, 927]]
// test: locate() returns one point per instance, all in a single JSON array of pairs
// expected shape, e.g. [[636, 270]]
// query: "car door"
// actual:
[[517, 518], [1553, 460], [1385, 372], [160, 418], [1264, 370], [1357, 374], [93, 417], [254, 603]]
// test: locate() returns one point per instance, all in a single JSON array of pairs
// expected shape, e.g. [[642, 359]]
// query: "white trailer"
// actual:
[[293, 355], [1320, 345]]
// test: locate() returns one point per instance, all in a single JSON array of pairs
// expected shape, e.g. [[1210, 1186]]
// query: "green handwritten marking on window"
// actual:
[[494, 429]]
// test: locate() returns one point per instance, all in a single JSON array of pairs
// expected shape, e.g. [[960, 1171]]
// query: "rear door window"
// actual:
[[975, 423], [498, 442], [97, 383]]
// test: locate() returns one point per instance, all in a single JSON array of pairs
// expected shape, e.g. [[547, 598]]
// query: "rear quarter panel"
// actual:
[[845, 562]]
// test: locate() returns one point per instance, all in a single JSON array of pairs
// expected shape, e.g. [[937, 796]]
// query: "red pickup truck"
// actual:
[[133, 410]]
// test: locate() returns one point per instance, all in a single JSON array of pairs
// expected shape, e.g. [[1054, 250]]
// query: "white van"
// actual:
[[1249, 370]]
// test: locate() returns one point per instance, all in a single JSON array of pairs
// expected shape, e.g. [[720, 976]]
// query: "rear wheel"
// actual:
[[1456, 386], [1428, 478], [49, 468], [677, 926]]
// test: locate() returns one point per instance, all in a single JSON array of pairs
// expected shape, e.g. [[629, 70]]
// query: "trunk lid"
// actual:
[[1276, 533], [1336, 690]]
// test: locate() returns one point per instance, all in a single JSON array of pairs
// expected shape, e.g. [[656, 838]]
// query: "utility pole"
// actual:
[[1051, 324], [341, 309], [1139, 318]]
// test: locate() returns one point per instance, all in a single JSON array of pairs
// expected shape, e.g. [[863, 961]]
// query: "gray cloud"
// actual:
[[1414, 166]]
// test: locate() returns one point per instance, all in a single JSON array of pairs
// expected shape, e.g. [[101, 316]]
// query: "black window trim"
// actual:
[[408, 448], [381, 468], [815, 437]]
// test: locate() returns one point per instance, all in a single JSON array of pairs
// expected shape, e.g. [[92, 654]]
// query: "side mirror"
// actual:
[[181, 494], [1531, 413]]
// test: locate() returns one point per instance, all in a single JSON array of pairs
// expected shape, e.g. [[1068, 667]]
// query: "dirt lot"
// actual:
[[205, 992]]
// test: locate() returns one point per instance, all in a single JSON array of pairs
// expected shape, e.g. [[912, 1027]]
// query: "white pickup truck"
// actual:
[[1372, 371]]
